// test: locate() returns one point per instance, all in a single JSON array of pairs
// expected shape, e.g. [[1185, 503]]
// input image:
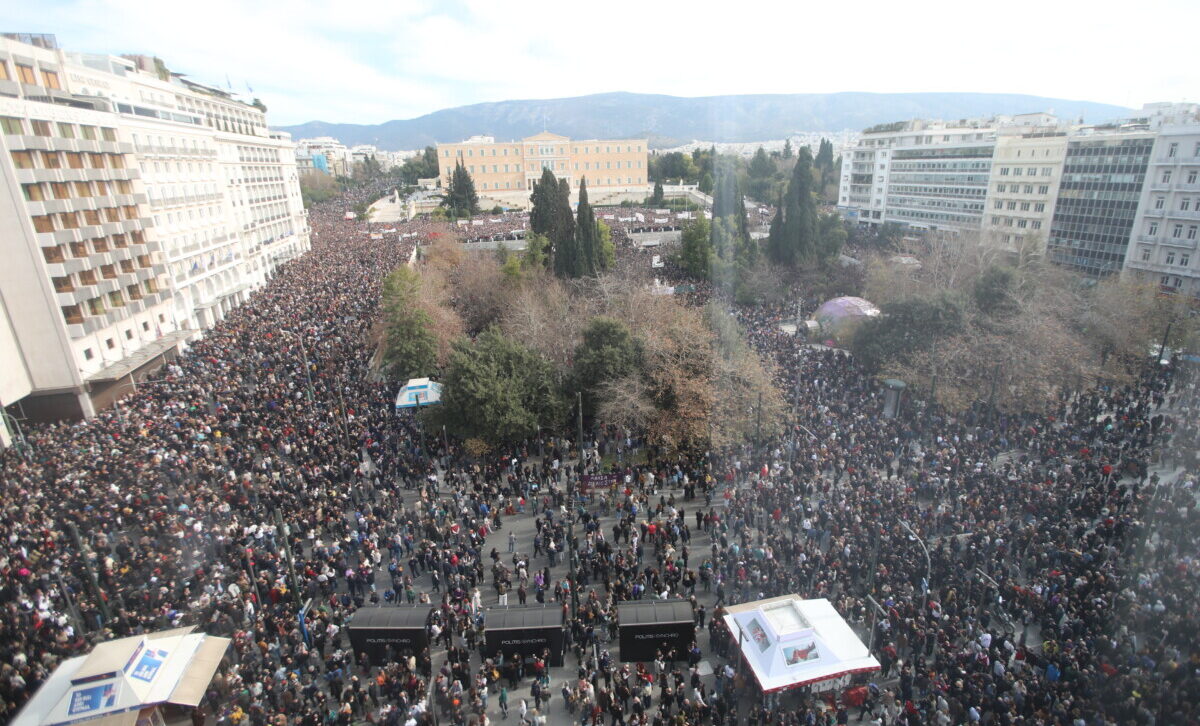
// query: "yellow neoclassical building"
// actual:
[[500, 169]]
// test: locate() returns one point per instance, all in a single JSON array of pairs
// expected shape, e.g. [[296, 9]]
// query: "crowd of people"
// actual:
[[1005, 569]]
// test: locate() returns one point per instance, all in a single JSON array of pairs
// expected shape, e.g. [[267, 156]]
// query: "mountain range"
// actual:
[[670, 120]]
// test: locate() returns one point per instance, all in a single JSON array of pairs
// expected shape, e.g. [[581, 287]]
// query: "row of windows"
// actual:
[[1191, 176], [1017, 189], [26, 74], [1177, 231], [1027, 171], [1024, 206], [86, 248], [74, 314], [548, 151], [66, 160], [1169, 258], [1173, 150], [1185, 204], [73, 190], [1019, 223], [88, 217], [608, 182], [61, 129], [88, 354]]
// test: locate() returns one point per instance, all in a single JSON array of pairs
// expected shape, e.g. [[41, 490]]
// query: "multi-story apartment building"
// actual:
[[328, 155], [1026, 170], [922, 174], [1162, 247], [84, 282], [216, 199], [509, 169]]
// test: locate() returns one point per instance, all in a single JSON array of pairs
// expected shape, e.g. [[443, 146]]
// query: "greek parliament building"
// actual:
[[137, 208], [505, 171]]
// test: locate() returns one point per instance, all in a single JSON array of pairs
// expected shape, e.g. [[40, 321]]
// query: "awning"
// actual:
[[144, 355], [193, 684]]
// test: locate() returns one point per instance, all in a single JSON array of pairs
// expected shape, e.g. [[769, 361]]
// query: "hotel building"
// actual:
[[139, 208]]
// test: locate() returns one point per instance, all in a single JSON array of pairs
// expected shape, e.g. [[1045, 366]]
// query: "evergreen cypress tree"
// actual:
[[545, 192], [795, 239], [461, 196], [568, 260], [587, 234]]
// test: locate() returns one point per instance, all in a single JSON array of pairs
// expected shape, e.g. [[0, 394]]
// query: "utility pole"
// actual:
[[1162, 348], [921, 542], [281, 530], [101, 600]]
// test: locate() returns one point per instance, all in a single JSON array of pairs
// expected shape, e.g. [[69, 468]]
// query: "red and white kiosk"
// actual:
[[788, 642]]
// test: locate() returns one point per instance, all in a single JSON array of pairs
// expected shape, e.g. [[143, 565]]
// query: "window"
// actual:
[[128, 335], [43, 223], [1047, 170], [1043, 189], [1001, 188], [11, 125], [1022, 223], [1185, 205], [1152, 229], [1184, 259], [1017, 171], [1177, 231], [108, 134], [41, 128], [1166, 177], [67, 131], [87, 353], [1146, 254], [22, 159], [1191, 232], [1191, 177], [89, 132], [1012, 206], [109, 343], [1159, 202], [1170, 258], [33, 192], [1173, 150], [1029, 189], [1036, 224], [145, 326], [999, 204], [50, 80], [25, 74], [1024, 206], [51, 159], [1004, 171], [4, 71], [1039, 207]]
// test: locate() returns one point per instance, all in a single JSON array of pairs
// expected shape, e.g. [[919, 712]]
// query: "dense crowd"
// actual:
[[266, 466]]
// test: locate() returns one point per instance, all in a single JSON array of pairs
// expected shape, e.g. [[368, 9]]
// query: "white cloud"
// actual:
[[368, 61]]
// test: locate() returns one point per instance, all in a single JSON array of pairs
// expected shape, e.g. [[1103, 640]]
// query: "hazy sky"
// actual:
[[368, 61]]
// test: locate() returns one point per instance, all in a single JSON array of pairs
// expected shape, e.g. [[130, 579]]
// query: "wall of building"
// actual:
[[1162, 246], [1027, 169], [500, 168]]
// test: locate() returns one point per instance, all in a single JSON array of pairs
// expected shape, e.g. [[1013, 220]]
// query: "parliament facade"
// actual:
[[498, 168]]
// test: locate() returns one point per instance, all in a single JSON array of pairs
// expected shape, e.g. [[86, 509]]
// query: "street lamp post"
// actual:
[[928, 568]]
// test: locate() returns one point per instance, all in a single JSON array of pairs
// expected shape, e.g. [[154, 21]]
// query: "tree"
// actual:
[[993, 291], [608, 251], [905, 328], [761, 176], [537, 251], [695, 249], [317, 187], [787, 149], [608, 351], [656, 199], [587, 236], [832, 237], [796, 233], [499, 391], [409, 346], [542, 201], [421, 166], [461, 196], [706, 183]]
